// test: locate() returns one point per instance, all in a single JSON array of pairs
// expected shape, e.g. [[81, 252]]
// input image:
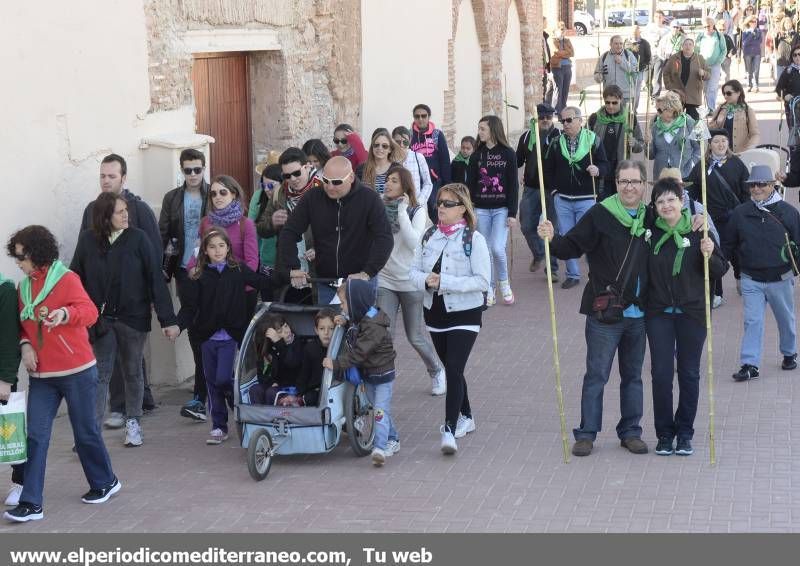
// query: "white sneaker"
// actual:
[[505, 290], [464, 426], [378, 457], [717, 302], [392, 447], [133, 433], [115, 420], [12, 499], [490, 299], [449, 445], [439, 383], [217, 436]]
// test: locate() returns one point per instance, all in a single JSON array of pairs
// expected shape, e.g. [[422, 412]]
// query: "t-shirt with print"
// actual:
[[192, 209], [493, 178]]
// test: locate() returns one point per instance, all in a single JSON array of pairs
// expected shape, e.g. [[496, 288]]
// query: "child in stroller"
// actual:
[[281, 359]]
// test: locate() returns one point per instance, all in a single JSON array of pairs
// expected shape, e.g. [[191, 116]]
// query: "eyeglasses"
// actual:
[[335, 182], [448, 203], [221, 193], [795, 54], [267, 186], [418, 116], [338, 141], [190, 170], [568, 120], [611, 102], [401, 142], [729, 92], [288, 176], [632, 183], [380, 146]]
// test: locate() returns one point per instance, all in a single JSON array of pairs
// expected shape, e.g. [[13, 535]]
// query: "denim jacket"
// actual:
[[464, 279]]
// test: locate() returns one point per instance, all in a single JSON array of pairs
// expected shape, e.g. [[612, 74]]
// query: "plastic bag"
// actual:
[[13, 436]]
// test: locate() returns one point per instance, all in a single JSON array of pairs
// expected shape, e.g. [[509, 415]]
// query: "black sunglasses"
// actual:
[[420, 116], [288, 176], [611, 102], [448, 203], [568, 120], [380, 146], [338, 141], [402, 142], [190, 170], [796, 54], [222, 193]]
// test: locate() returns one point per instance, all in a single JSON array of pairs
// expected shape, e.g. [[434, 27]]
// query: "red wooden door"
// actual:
[[223, 111]]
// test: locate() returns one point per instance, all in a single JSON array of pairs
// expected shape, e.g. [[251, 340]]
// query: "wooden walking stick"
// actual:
[[553, 327], [701, 134]]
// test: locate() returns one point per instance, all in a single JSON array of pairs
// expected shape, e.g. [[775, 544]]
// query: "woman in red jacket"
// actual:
[[54, 314]]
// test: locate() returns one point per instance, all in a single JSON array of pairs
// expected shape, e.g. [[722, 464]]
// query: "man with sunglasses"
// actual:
[[179, 224], [429, 140], [763, 234], [352, 236]]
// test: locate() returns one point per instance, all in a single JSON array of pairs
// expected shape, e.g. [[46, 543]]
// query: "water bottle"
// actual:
[[170, 260]]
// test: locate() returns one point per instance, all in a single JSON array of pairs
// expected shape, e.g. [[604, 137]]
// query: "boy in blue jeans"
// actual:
[[368, 346]]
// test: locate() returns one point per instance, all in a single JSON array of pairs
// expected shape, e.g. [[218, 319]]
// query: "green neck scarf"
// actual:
[[733, 107], [676, 234], [585, 143], [54, 274], [461, 158], [618, 211], [678, 123], [534, 129], [618, 118]]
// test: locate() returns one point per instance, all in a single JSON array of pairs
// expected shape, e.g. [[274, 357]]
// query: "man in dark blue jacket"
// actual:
[[428, 140]]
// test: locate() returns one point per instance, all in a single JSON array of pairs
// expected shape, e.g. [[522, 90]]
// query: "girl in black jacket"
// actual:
[[675, 314], [215, 307]]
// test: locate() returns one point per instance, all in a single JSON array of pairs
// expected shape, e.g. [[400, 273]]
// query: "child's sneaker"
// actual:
[[194, 410], [217, 437], [392, 447], [505, 290], [464, 426], [378, 457], [133, 433], [449, 445]]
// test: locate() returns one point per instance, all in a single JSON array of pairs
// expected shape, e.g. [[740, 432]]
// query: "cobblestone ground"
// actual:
[[508, 476]]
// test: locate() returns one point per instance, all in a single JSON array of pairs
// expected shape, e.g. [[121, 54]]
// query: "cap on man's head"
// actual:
[[544, 109]]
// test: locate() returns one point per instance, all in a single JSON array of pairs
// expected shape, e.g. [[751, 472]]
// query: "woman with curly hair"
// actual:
[[54, 312], [668, 136]]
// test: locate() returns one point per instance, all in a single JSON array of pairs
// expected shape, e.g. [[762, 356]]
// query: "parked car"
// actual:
[[619, 18], [583, 22]]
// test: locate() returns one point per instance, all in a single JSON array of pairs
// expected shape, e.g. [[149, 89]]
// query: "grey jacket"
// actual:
[[681, 152], [609, 72]]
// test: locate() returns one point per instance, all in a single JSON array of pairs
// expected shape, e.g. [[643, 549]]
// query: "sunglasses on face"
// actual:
[[795, 54], [221, 193], [19, 257], [729, 92], [335, 182], [568, 120], [402, 142], [191, 170], [448, 203], [267, 185], [611, 102], [659, 110], [380, 146], [287, 176], [759, 185], [419, 116], [338, 141]]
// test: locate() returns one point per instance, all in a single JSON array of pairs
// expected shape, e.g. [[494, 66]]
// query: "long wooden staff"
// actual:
[[553, 327], [647, 121]]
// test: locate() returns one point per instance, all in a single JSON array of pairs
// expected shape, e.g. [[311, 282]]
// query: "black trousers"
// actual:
[[453, 348]]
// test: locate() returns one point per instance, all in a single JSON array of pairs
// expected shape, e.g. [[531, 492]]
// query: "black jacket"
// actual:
[[351, 234], [284, 366], [527, 157], [494, 178], [758, 239], [641, 50], [170, 219], [216, 301], [310, 377], [788, 83], [721, 200], [458, 172], [604, 241], [126, 277], [685, 291], [572, 181]]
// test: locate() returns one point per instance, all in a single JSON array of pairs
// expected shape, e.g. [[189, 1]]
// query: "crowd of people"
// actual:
[[408, 230]]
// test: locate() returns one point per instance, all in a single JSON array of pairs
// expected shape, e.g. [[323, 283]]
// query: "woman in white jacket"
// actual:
[[395, 289], [414, 162], [452, 265]]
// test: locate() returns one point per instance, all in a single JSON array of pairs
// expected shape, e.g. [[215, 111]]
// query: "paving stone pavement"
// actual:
[[508, 476]]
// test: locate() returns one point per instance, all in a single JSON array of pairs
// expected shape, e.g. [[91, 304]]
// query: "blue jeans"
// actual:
[[603, 341], [493, 225], [569, 213], [530, 212], [562, 76], [671, 337], [380, 395], [752, 65], [780, 297], [218, 359], [712, 86], [44, 396]]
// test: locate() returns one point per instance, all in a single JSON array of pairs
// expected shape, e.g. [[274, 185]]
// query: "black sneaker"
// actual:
[[102, 495], [24, 512], [745, 373], [664, 446], [789, 362], [684, 447]]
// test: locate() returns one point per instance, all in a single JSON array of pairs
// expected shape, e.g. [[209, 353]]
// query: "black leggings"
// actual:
[[453, 348]]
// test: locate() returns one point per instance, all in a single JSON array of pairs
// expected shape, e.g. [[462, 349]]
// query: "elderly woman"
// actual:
[[725, 175], [685, 73], [414, 162], [675, 314], [669, 136], [55, 311], [123, 279], [383, 153], [452, 266], [737, 118]]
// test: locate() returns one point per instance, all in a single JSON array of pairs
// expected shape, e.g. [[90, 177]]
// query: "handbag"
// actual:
[[607, 305], [102, 325], [13, 436]]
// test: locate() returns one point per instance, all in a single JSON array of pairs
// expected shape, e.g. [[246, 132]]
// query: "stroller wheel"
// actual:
[[360, 419], [259, 454]]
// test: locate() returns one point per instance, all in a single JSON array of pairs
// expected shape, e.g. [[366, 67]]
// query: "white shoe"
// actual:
[[392, 447], [464, 425], [439, 383], [378, 457], [12, 499], [717, 302], [133, 433], [115, 420], [449, 445], [505, 290], [216, 436], [490, 298]]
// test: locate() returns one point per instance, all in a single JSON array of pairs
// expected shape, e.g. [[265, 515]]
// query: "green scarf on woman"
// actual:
[[683, 227], [54, 274], [618, 211], [678, 123], [585, 142]]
